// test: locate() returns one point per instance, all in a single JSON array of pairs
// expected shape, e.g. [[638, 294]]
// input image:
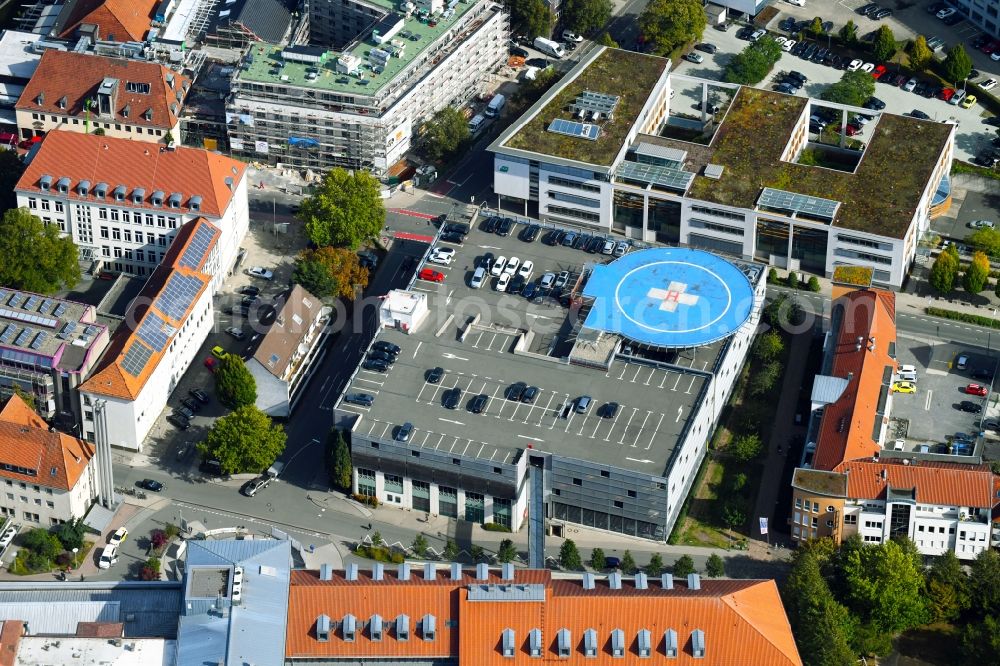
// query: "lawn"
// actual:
[[933, 645]]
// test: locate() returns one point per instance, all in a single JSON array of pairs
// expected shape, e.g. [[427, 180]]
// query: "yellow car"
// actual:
[[968, 101], [219, 353], [904, 387]]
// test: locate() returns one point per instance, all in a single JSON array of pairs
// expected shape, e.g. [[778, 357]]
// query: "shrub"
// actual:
[[792, 280], [172, 531], [683, 566], [569, 556], [968, 318], [507, 552], [715, 567], [598, 560], [64, 560], [151, 569], [628, 563], [397, 558], [495, 527], [159, 539], [451, 550], [369, 500], [70, 534], [655, 566], [478, 553], [772, 275], [814, 284], [746, 447]]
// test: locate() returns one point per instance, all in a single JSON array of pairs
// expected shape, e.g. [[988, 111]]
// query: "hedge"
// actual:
[[495, 527], [965, 317]]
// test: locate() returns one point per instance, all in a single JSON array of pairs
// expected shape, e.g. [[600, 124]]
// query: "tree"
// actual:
[[27, 398], [715, 567], [853, 88], [314, 276], [884, 46], [985, 239], [330, 271], [769, 346], [569, 556], [244, 441], [793, 280], [150, 569], [70, 534], [533, 17], [670, 24], [683, 566], [585, 16], [345, 211], [734, 514], [42, 542], [450, 550], [11, 170], [419, 545], [754, 63], [984, 583], [655, 566], [823, 628], [607, 40], [947, 588], [342, 469], [234, 383], [848, 33], [445, 133], [746, 447], [738, 482], [598, 560], [943, 272], [885, 585], [478, 553], [35, 256], [765, 378], [957, 64], [920, 54], [977, 274], [98, 131], [628, 563], [507, 552], [981, 641], [168, 138]]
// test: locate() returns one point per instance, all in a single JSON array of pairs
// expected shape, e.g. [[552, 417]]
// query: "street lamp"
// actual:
[[989, 333]]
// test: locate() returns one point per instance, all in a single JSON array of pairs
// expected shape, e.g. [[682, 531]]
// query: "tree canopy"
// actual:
[[884, 46], [920, 53], [977, 274], [341, 468], [754, 63], [943, 272], [244, 441], [234, 383], [531, 16], [445, 133], [822, 627], [885, 585], [330, 271], [848, 33], [683, 566], [986, 239], [36, 257], [958, 64], [346, 209], [670, 24], [585, 16], [853, 88]]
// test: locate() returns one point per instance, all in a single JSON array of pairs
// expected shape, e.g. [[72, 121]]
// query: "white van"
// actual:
[[477, 124], [549, 47], [495, 106]]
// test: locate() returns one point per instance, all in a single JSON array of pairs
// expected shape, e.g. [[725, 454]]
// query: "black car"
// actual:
[[478, 404], [706, 47], [529, 394], [456, 228], [874, 103], [787, 24], [486, 261], [387, 347], [199, 395], [515, 391], [550, 237], [248, 301], [819, 55], [516, 285], [363, 399], [864, 9], [178, 421], [150, 484], [489, 225], [378, 355], [530, 290], [193, 405], [434, 375], [250, 291], [917, 113], [213, 467], [935, 7], [453, 237], [440, 219], [787, 88], [505, 227], [920, 88], [403, 432], [835, 61], [518, 51], [815, 128], [595, 245], [609, 409], [954, 19], [971, 407], [184, 411], [451, 398], [376, 365], [560, 235], [530, 233], [881, 14], [799, 48]]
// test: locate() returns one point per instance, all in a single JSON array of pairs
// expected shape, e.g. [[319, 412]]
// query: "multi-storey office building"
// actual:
[[123, 202], [48, 346], [361, 106], [607, 148], [984, 14]]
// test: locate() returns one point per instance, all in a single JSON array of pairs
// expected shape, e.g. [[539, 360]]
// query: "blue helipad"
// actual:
[[669, 297]]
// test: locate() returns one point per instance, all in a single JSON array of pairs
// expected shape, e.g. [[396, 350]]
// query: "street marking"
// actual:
[[634, 412], [534, 439], [927, 402], [651, 373], [680, 410], [417, 349], [653, 436]]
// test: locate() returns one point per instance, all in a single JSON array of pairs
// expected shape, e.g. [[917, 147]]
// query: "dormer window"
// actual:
[[45, 183], [349, 628], [157, 198], [148, 115], [120, 193], [40, 99], [170, 80], [62, 185], [195, 202], [62, 102], [173, 109], [83, 188], [175, 200], [101, 190], [126, 111], [138, 195]]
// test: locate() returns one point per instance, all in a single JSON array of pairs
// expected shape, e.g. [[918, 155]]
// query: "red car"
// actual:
[[976, 389], [211, 363], [431, 275], [946, 94], [850, 130], [878, 71]]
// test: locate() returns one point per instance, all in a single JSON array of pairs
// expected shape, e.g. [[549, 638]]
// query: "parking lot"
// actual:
[[492, 355], [932, 415]]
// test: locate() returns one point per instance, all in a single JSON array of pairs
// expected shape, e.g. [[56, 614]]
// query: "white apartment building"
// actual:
[[160, 337], [361, 106], [46, 477], [123, 202], [606, 148]]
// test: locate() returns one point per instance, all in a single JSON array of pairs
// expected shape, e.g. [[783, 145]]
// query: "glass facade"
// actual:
[[475, 508], [501, 511], [447, 502], [628, 211], [366, 482], [772, 239], [421, 496], [665, 220], [393, 484], [607, 521], [809, 247]]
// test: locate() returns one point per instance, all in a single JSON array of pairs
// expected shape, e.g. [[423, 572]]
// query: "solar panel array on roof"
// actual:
[[571, 128], [46, 306], [32, 302], [60, 309], [22, 339], [665, 177], [3, 295], [15, 300], [780, 200], [136, 358], [8, 334], [152, 331], [39, 340], [595, 102], [67, 330], [29, 317], [661, 152], [194, 253], [178, 294], [90, 330]]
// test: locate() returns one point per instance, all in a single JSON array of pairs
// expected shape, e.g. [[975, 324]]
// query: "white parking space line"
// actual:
[[624, 368], [679, 375], [569, 421], [691, 385], [634, 412], [596, 427], [665, 377], [353, 408], [478, 338], [648, 414], [927, 402], [489, 347], [386, 428], [655, 430], [638, 369], [513, 414], [440, 439], [480, 453], [651, 373], [546, 409], [369, 381], [621, 410], [465, 450], [417, 348]]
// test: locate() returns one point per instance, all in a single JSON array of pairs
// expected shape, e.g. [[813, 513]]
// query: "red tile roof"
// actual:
[[849, 423], [66, 80], [110, 377], [100, 629], [134, 164], [743, 620], [10, 640], [118, 20], [58, 459], [945, 484]]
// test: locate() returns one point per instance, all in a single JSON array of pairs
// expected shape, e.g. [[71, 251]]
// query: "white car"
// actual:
[[236, 332], [945, 13], [868, 67], [988, 84], [789, 45], [547, 280], [780, 41], [118, 537], [981, 224], [995, 56], [512, 265], [260, 272], [442, 255], [503, 282], [621, 249], [8, 536], [609, 247], [108, 557], [570, 36], [910, 85], [855, 65], [498, 266], [526, 268]]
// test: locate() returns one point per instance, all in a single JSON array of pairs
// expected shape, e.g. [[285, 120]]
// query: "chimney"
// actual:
[[351, 573], [378, 571], [456, 571], [326, 572], [482, 571], [694, 581], [403, 571], [588, 581], [640, 581], [430, 571], [615, 580], [667, 581], [507, 571]]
